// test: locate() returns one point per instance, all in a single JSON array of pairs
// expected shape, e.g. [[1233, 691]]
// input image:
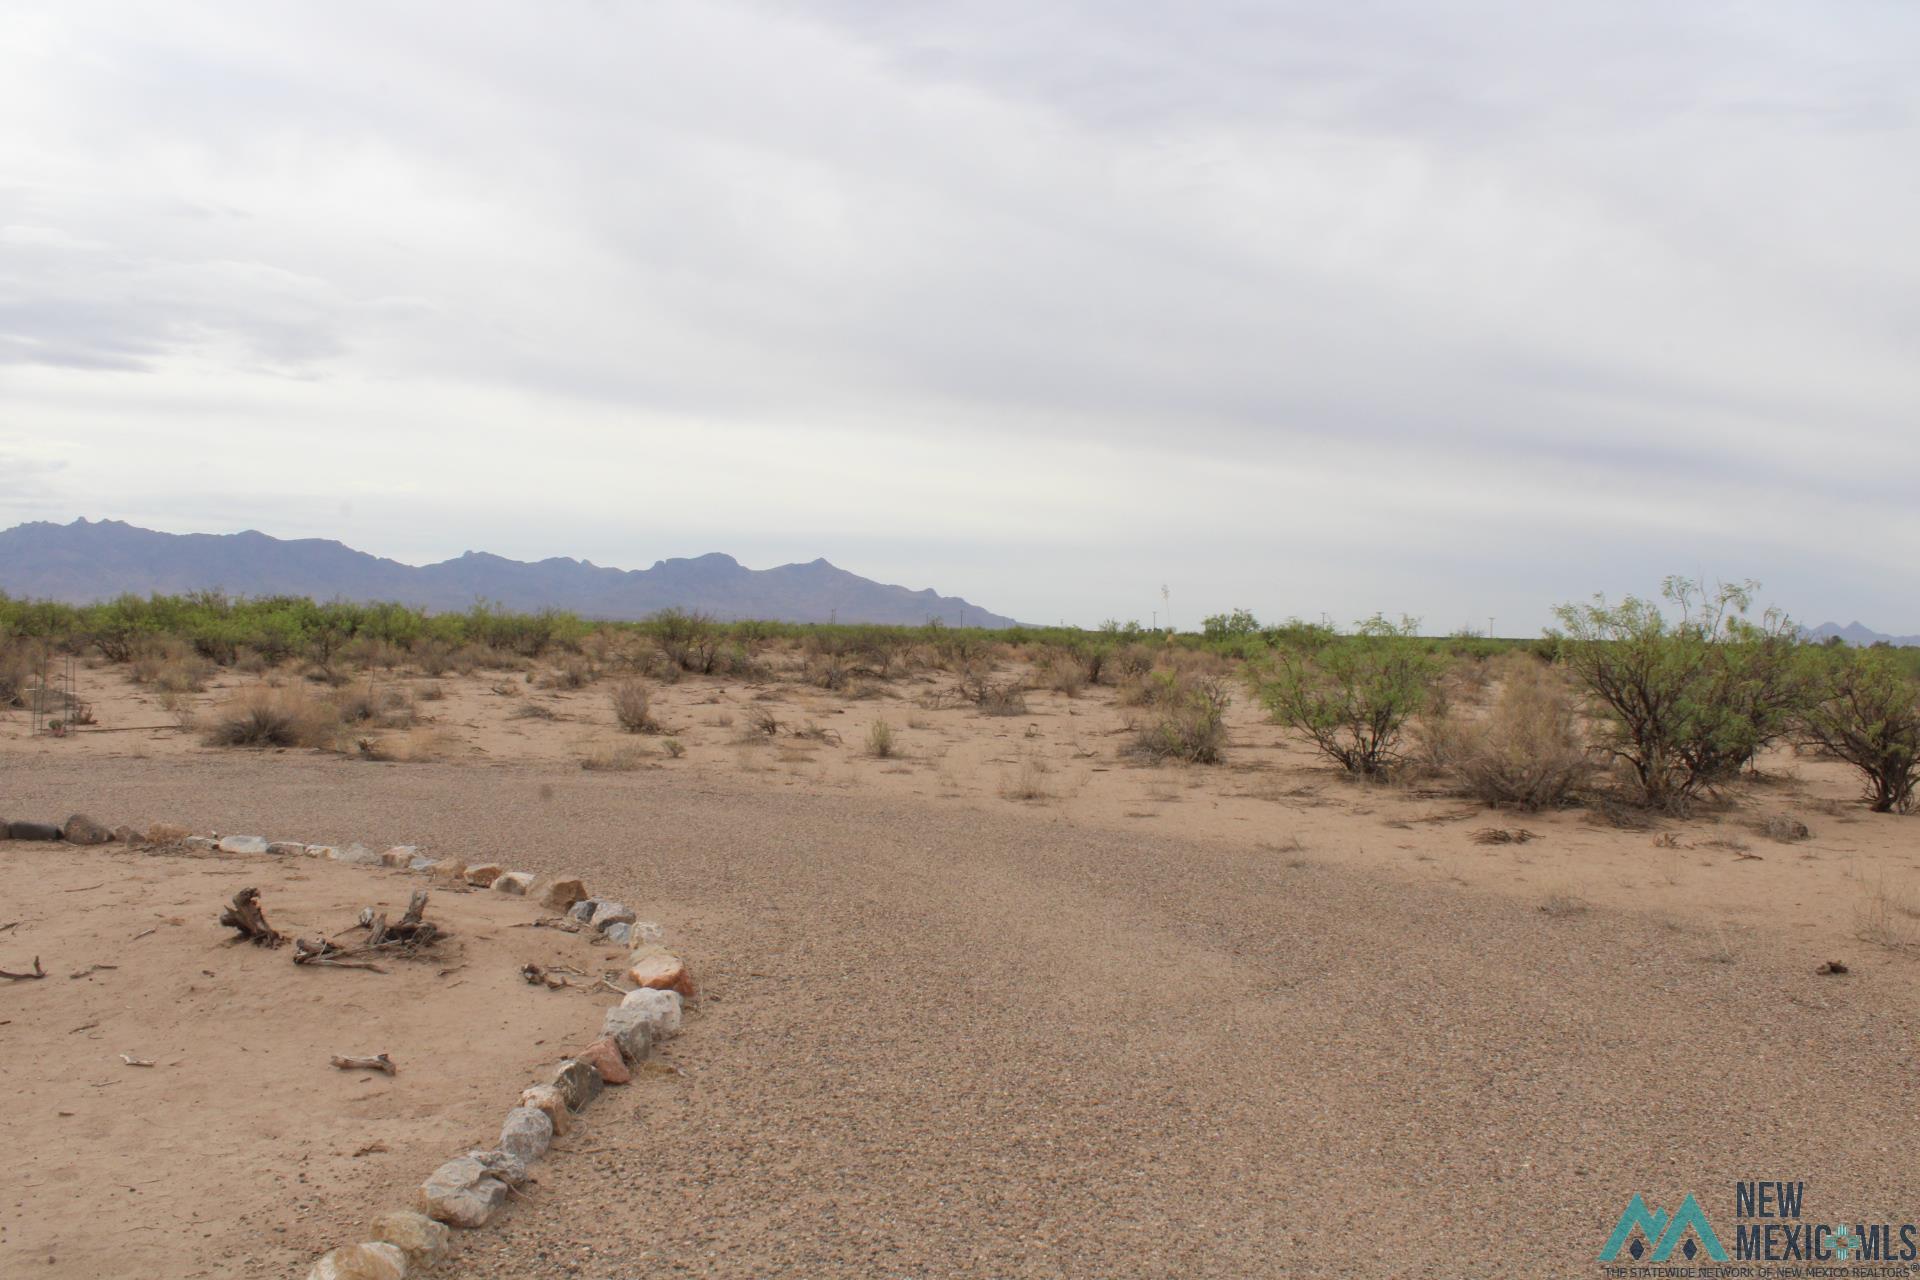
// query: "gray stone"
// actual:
[[357, 854], [424, 1241], [462, 1193], [662, 1008], [376, 1260], [80, 829], [243, 844], [32, 831], [321, 851], [526, 1134], [422, 866], [612, 913], [619, 932], [646, 931], [631, 1029], [578, 1083], [287, 849], [582, 910], [200, 844], [510, 1169]]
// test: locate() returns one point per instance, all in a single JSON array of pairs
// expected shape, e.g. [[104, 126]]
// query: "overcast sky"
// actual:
[[1455, 308]]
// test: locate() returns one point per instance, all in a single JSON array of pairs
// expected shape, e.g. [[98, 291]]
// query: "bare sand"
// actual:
[[241, 1151], [1243, 1020]]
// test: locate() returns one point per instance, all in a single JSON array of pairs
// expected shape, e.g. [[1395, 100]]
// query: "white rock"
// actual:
[[461, 1193], [356, 853], [375, 1261], [200, 844], [286, 849], [645, 931], [661, 1008], [422, 866], [243, 844], [526, 1134], [321, 851], [514, 882]]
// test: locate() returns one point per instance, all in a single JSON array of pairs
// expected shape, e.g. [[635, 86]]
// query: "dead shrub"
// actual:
[[1028, 781], [880, 740], [573, 672], [1188, 721], [1065, 673], [431, 691], [1528, 752], [264, 717], [633, 707]]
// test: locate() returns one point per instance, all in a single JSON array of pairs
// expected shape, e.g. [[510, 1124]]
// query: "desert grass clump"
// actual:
[[266, 717], [633, 707], [1529, 752], [880, 744], [1187, 722], [673, 747], [614, 760], [415, 746], [1028, 781], [430, 691]]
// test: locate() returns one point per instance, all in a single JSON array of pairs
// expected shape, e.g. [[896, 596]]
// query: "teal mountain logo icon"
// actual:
[[1687, 1231]]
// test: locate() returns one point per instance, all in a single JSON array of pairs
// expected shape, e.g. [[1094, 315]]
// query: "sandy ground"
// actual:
[[1246, 1020], [241, 1151]]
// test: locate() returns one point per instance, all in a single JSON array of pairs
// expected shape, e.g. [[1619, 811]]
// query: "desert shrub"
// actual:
[[260, 716], [691, 641], [633, 707], [1064, 673], [674, 747], [1529, 751], [1188, 721], [1127, 662], [1688, 700], [1352, 697], [1866, 712], [880, 740], [995, 698], [431, 691], [573, 671], [433, 658], [355, 705], [17, 668]]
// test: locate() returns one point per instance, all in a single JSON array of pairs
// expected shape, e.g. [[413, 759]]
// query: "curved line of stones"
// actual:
[[466, 1192]]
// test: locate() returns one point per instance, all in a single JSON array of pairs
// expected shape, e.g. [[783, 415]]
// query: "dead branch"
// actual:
[[132, 1061], [246, 916], [92, 968], [319, 951], [38, 972], [378, 1062]]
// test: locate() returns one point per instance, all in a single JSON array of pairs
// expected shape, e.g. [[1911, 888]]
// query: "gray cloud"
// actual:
[[1457, 308]]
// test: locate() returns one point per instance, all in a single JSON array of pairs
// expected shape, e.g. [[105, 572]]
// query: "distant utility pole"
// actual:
[[1489, 626]]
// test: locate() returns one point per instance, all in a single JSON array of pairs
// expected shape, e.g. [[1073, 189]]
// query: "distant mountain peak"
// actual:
[[98, 559], [1855, 633]]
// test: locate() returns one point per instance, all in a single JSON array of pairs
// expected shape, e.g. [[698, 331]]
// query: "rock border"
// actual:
[[465, 1192]]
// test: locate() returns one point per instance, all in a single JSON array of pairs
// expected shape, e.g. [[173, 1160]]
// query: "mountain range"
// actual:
[[1855, 634], [92, 560]]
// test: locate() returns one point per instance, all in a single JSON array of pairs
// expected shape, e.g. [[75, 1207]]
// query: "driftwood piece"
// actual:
[[378, 1062], [246, 916], [38, 972]]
